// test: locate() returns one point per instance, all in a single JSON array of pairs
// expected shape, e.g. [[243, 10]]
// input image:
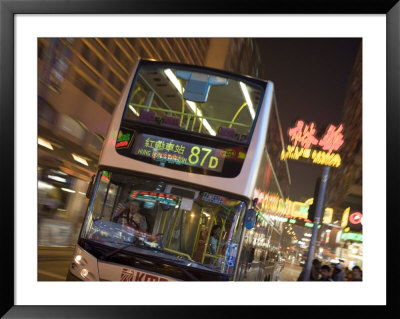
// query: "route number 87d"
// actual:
[[197, 155]]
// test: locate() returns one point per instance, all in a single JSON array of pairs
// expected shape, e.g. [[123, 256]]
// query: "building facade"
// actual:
[[344, 190]]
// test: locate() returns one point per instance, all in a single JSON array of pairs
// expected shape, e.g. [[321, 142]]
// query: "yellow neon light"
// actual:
[[317, 157], [327, 219], [345, 217]]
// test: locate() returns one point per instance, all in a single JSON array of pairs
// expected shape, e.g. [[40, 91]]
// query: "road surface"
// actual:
[[53, 263]]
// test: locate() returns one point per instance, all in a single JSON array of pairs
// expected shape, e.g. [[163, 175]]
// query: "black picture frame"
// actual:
[[10, 8]]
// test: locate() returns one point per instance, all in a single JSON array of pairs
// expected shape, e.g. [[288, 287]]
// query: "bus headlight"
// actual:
[[84, 272], [78, 258]]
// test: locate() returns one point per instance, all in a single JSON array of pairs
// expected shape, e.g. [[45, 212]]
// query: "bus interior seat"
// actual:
[[171, 121], [147, 116], [227, 132]]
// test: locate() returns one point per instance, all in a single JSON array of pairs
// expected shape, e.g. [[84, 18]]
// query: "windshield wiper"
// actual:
[[142, 245], [149, 247], [113, 252]]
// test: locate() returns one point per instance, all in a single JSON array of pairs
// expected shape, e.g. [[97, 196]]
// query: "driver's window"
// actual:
[[105, 197], [110, 202]]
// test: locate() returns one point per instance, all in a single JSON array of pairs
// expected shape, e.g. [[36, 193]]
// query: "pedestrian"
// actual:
[[251, 257], [356, 274], [325, 273], [314, 273], [347, 274], [338, 274]]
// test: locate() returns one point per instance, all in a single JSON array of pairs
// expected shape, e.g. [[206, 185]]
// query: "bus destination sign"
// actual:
[[166, 150]]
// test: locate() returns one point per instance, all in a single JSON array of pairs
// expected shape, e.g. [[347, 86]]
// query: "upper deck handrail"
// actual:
[[188, 114]]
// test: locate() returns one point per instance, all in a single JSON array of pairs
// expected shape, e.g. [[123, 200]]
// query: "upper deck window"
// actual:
[[194, 99]]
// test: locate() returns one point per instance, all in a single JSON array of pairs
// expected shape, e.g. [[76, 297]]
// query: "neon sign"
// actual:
[[303, 135], [345, 217], [352, 236], [310, 225], [355, 218], [303, 139]]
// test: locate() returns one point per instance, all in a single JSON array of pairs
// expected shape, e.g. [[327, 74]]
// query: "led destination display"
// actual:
[[162, 149]]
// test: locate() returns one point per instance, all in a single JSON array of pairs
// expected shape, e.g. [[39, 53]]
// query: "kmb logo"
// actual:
[[132, 275]]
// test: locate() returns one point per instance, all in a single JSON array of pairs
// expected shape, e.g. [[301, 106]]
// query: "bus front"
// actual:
[[170, 197]]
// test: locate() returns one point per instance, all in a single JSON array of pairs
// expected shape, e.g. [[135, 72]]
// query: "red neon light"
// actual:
[[333, 139], [355, 218], [303, 135]]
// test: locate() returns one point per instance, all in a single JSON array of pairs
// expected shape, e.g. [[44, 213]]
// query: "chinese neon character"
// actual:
[[296, 132], [179, 149], [308, 137], [333, 139], [304, 136], [149, 143]]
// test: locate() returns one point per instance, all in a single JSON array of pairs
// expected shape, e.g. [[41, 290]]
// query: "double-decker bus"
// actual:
[[189, 182]]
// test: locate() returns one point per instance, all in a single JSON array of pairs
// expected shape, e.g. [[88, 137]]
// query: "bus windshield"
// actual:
[[185, 98], [153, 216]]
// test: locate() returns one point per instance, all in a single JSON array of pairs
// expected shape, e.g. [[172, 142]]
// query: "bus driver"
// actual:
[[130, 217]]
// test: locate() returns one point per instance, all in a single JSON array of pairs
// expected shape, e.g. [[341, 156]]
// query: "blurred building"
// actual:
[[344, 190], [80, 81]]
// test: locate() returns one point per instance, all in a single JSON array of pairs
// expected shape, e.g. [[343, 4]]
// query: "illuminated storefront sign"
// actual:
[[345, 217], [181, 153], [327, 235], [351, 236], [355, 218], [328, 214], [271, 203], [303, 140], [311, 225], [295, 212]]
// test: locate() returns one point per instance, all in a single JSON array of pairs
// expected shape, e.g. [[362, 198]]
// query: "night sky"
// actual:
[[310, 77]]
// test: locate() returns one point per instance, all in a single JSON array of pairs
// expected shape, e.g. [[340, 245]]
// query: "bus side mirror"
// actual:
[[250, 219], [90, 188]]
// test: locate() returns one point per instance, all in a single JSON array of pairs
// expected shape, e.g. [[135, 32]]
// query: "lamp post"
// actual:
[[318, 209]]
